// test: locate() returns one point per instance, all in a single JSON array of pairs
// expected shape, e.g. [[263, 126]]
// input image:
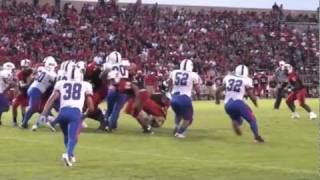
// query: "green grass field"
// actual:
[[210, 151]]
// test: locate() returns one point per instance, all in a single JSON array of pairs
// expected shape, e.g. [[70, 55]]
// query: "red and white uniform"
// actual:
[[299, 91], [22, 98]]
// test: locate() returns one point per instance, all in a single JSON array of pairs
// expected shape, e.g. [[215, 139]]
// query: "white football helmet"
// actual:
[[288, 67], [282, 64], [8, 66], [74, 74], [25, 63], [241, 70], [114, 57], [50, 63], [186, 65], [67, 65], [82, 65]]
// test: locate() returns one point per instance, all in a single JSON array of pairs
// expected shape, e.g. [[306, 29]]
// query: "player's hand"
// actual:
[[42, 119]]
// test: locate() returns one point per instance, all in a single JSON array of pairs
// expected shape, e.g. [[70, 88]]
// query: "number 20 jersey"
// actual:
[[236, 87], [43, 80], [183, 81], [73, 93]]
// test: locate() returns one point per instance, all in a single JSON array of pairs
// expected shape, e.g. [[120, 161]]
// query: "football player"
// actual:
[[24, 77], [181, 83], [235, 87], [44, 79], [6, 82], [299, 92], [73, 93]]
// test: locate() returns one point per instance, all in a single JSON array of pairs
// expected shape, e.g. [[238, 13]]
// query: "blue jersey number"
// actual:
[[72, 91], [41, 76], [234, 85], [181, 79], [120, 69]]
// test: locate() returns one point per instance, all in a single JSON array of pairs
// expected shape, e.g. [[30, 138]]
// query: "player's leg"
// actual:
[[15, 105], [175, 105], [248, 115], [235, 116], [290, 103], [187, 115], [34, 103], [113, 119], [301, 96], [111, 99], [98, 116], [73, 130], [4, 105]]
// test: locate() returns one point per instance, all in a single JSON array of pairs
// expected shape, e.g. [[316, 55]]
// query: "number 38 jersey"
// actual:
[[236, 87], [183, 82], [73, 93], [44, 79]]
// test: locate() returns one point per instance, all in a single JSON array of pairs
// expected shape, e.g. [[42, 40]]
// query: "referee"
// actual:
[[282, 81]]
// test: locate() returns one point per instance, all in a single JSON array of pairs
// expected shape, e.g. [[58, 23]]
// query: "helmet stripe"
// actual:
[[72, 73], [242, 69], [185, 64], [117, 57]]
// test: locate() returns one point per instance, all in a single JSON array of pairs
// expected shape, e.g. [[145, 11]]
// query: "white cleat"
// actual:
[[180, 136], [34, 127], [48, 124], [295, 115], [313, 116], [73, 159], [67, 160], [84, 124]]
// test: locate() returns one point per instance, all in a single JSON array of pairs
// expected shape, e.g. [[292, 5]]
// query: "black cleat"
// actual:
[[24, 126], [258, 139]]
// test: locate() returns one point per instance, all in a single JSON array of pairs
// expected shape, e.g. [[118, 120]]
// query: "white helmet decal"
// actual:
[[114, 57]]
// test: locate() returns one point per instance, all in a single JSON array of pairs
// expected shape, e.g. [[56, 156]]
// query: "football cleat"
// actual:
[[84, 124], [14, 124], [295, 115], [180, 136], [34, 127], [236, 129], [49, 125], [24, 126], [258, 139], [313, 116], [148, 130], [67, 160], [73, 159]]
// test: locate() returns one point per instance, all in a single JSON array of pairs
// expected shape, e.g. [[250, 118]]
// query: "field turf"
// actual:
[[210, 151]]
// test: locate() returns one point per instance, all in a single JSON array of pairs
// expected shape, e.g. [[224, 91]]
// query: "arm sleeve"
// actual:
[[88, 90]]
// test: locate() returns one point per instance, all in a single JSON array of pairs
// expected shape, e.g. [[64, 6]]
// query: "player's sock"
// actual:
[[70, 147], [254, 128], [27, 117], [0, 118], [181, 130]]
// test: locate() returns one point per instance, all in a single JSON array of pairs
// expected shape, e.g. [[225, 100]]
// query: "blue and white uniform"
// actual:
[[236, 108], [5, 77], [183, 81], [45, 78], [115, 99], [72, 99]]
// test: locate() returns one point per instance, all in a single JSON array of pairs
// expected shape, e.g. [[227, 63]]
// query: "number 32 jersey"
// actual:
[[183, 82], [73, 93], [236, 87]]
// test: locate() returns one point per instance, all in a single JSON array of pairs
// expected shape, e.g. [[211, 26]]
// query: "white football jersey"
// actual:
[[44, 79], [121, 68], [236, 87], [183, 81], [73, 93], [61, 75], [4, 76]]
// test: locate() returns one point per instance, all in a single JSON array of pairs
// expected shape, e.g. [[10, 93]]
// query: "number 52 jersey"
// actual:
[[236, 87], [73, 93], [183, 82]]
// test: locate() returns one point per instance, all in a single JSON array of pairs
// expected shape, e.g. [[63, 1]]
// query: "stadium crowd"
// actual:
[[158, 38]]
